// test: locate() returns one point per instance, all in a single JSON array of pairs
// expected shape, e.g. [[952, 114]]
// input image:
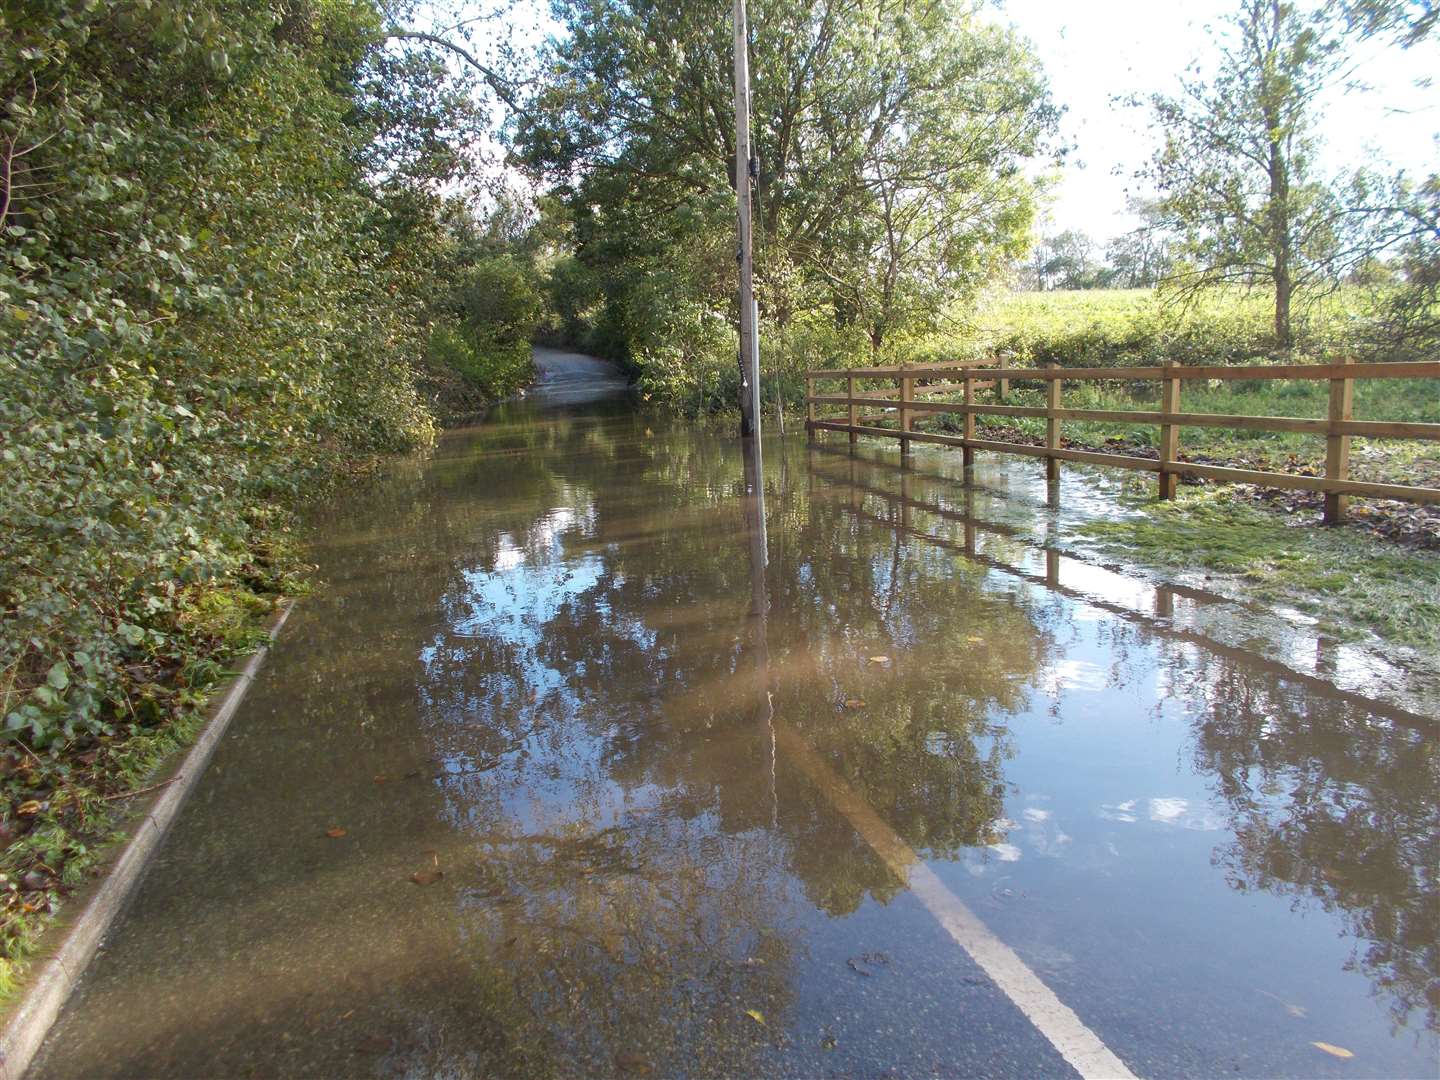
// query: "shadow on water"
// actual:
[[547, 693]]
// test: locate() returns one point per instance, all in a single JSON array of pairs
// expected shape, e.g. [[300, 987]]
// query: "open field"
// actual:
[[1136, 327]]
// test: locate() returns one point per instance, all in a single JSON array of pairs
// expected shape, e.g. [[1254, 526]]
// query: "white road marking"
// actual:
[[1077, 1044]]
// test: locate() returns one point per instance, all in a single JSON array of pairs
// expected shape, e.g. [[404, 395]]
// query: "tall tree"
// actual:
[[1237, 176], [891, 138]]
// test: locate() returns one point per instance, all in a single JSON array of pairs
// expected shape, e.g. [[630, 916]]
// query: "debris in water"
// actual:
[[1333, 1051], [376, 1044], [879, 659], [1297, 1011], [757, 1016], [627, 1061], [434, 874], [335, 832], [854, 703], [866, 963]]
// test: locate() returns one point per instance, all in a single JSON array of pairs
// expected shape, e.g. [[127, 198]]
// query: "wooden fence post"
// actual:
[[854, 409], [1002, 385], [1169, 433], [812, 412], [1337, 446], [1052, 425], [968, 424], [907, 419]]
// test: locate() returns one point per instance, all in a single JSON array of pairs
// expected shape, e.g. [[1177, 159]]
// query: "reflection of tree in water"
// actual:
[[1329, 805], [653, 685]]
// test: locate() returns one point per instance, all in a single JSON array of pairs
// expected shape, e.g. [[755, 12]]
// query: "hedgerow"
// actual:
[[208, 310]]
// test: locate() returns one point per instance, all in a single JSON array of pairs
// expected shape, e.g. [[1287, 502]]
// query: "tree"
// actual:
[[1143, 256], [890, 138], [1065, 261], [1237, 178]]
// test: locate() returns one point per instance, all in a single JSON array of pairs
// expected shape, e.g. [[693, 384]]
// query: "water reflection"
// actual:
[[560, 664]]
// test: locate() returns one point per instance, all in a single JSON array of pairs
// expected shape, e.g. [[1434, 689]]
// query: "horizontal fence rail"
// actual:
[[919, 384]]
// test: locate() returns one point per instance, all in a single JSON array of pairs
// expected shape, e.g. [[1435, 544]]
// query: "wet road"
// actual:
[[645, 768]]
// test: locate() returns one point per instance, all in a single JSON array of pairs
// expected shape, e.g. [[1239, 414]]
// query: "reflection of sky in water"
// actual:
[[1108, 834], [531, 582]]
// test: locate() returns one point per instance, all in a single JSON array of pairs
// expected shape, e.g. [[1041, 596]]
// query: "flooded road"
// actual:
[[602, 754]]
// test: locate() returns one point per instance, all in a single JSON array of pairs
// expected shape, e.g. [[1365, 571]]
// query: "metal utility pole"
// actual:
[[749, 356]]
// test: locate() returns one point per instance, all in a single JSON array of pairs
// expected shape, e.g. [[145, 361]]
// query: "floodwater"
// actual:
[[651, 763]]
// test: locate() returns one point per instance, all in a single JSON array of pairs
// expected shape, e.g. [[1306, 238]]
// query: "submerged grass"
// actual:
[[1351, 581]]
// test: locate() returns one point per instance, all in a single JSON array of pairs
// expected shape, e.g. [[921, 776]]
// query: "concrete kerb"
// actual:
[[53, 978]]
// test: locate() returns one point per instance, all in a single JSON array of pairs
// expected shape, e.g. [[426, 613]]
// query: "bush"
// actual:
[[496, 368], [500, 302]]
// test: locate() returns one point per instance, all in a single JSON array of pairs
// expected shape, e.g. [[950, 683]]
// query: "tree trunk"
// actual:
[[1278, 211], [1279, 214]]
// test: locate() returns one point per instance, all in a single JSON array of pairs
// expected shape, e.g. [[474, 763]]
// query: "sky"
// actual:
[[1097, 49]]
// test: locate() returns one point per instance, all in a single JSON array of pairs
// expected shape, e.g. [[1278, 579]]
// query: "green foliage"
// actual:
[[1237, 176], [495, 368], [573, 298], [889, 183], [217, 263], [499, 299], [1139, 327], [486, 326]]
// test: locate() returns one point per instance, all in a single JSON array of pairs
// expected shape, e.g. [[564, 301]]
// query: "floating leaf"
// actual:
[[757, 1016], [627, 1061], [335, 832], [427, 877], [1333, 1051], [879, 659]]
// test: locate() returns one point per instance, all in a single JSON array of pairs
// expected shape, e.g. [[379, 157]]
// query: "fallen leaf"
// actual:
[[879, 659], [854, 703], [335, 832], [27, 809], [427, 877], [974, 639], [630, 1062], [1333, 1051], [380, 778], [757, 1016]]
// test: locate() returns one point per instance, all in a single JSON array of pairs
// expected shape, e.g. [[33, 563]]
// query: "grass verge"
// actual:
[[64, 802], [1351, 581]]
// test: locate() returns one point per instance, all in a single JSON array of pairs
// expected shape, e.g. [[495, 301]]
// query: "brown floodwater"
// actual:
[[652, 761]]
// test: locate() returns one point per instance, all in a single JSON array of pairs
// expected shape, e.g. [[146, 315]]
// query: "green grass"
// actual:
[[1116, 327], [1351, 581]]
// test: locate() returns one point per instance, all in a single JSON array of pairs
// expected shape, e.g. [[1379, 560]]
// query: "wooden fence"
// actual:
[[919, 385]]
